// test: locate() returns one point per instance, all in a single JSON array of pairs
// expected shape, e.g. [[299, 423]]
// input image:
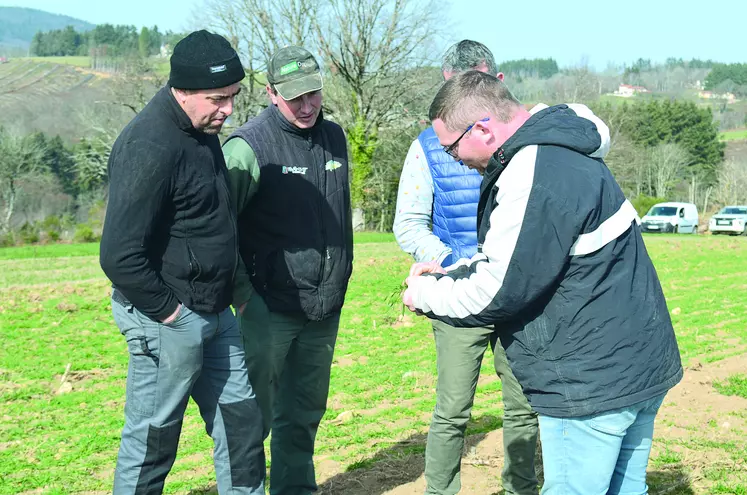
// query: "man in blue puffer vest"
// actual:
[[436, 190]]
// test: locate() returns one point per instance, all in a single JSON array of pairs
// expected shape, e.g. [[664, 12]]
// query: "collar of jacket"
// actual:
[[496, 165], [175, 111], [503, 155], [286, 126]]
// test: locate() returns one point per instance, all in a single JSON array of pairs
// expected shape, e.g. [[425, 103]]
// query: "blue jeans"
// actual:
[[606, 453], [198, 355]]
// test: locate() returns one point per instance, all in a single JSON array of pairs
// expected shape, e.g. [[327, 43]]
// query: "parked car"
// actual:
[[678, 218], [730, 220]]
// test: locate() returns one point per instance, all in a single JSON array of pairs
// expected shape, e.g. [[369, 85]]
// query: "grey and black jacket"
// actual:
[[563, 270]]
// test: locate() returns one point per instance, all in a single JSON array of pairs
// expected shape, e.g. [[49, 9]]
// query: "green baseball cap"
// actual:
[[293, 72]]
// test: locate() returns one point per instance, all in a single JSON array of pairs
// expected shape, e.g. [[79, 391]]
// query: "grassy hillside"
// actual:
[[24, 77], [53, 97]]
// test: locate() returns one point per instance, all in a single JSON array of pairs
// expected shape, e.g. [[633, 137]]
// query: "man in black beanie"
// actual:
[[170, 248]]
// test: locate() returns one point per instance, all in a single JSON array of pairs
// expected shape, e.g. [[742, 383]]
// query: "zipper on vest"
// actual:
[[322, 199]]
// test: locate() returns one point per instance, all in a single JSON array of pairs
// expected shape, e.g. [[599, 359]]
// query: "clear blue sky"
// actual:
[[569, 31]]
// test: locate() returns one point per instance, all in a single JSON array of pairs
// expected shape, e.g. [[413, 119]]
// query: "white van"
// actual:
[[679, 218]]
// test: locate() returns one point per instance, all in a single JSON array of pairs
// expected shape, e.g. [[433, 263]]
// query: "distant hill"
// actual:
[[19, 24]]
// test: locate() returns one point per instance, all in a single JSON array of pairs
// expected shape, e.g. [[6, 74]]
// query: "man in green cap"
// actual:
[[288, 170]]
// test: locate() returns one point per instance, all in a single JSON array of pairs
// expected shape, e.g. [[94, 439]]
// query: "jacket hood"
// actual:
[[558, 125]]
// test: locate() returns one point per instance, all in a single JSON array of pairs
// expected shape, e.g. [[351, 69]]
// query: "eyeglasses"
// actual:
[[451, 149]]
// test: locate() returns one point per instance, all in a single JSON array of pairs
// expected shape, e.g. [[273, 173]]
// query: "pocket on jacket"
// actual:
[[539, 337], [294, 269]]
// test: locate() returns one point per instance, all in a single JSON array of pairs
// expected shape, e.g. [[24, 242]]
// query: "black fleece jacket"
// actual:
[[169, 234]]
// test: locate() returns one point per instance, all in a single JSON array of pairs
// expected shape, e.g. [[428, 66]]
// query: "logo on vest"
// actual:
[[295, 170], [332, 165]]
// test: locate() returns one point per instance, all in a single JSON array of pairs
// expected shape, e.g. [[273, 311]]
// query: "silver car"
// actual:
[[730, 220]]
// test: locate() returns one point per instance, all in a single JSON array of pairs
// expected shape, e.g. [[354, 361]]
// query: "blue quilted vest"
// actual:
[[456, 191]]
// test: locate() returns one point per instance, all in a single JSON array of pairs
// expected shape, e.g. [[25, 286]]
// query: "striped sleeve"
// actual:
[[516, 269]]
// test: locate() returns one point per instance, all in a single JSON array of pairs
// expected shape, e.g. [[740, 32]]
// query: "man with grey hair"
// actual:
[[563, 273], [436, 220]]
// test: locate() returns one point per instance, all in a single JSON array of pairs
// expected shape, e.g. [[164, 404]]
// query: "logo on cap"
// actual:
[[217, 68], [288, 68]]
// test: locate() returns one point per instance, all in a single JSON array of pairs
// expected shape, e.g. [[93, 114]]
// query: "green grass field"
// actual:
[[83, 61], [62, 438], [733, 135]]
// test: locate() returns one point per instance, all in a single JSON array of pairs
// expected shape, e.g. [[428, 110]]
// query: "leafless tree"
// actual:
[[20, 160], [375, 47], [256, 29], [135, 85], [666, 163], [732, 183]]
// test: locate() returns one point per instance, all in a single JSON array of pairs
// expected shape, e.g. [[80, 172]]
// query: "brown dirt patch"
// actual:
[[692, 406]]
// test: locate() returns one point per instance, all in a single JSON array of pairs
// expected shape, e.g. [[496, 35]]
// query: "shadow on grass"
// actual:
[[671, 479], [399, 464]]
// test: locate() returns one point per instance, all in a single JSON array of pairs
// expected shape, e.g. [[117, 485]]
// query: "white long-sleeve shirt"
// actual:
[[413, 218]]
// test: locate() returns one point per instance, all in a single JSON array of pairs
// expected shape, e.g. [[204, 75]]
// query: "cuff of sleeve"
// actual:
[[420, 286], [170, 308]]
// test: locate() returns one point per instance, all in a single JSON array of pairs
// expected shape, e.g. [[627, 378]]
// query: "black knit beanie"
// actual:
[[204, 60]]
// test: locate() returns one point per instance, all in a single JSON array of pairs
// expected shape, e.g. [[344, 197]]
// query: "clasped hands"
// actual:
[[417, 270]]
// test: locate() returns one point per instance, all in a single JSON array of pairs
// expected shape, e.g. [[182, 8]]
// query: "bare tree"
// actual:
[[376, 50], [135, 85], [625, 161], [256, 29], [20, 160], [101, 125], [374, 53], [732, 183], [666, 163], [381, 187]]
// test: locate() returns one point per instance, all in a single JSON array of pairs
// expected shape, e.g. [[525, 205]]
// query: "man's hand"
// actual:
[[407, 299], [417, 270], [173, 315], [429, 267]]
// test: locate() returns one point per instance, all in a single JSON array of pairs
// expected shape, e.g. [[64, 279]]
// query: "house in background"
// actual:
[[628, 90]]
